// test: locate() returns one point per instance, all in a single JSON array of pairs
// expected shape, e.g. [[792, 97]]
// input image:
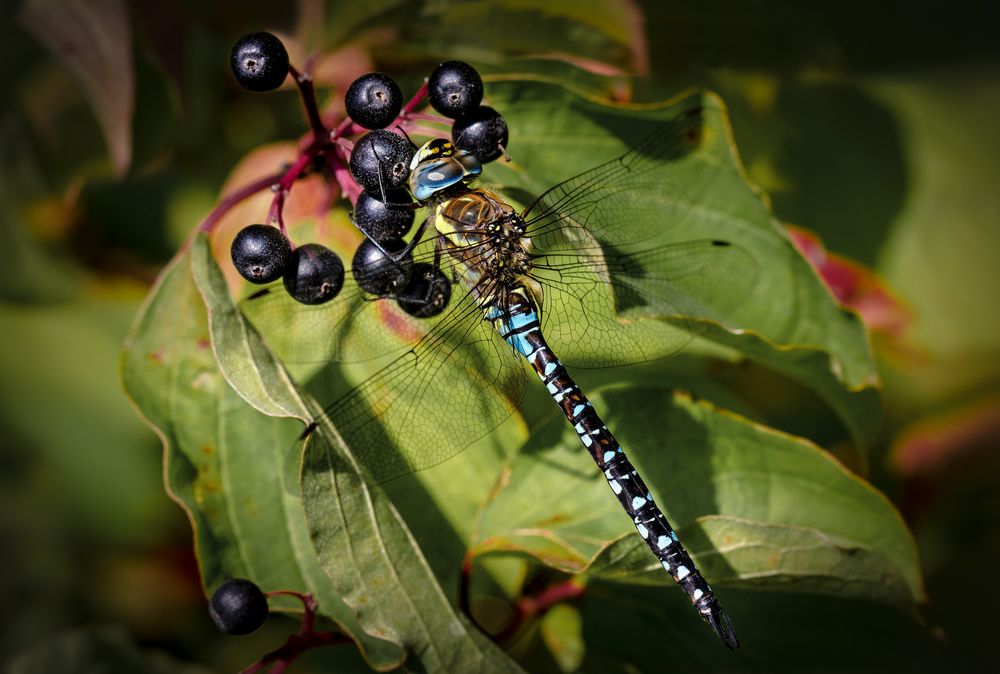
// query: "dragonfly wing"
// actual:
[[456, 384], [353, 327], [621, 242], [609, 309]]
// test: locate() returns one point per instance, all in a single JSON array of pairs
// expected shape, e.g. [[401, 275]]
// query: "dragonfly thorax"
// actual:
[[487, 237]]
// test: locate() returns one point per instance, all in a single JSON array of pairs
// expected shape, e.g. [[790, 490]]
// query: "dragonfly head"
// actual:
[[438, 164]]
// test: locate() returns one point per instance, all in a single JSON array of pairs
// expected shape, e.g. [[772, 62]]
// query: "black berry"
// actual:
[[238, 607], [426, 294], [260, 253], [259, 62], [378, 273], [383, 220], [455, 88], [380, 161], [314, 275], [483, 132], [373, 100]]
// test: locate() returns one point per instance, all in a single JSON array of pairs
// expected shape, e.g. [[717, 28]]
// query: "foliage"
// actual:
[[767, 447], [377, 584]]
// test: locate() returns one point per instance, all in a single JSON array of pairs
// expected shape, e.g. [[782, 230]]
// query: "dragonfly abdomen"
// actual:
[[518, 324]]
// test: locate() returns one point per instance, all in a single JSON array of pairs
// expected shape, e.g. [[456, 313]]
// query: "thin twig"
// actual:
[[425, 117], [308, 92], [235, 197], [417, 99], [531, 606]]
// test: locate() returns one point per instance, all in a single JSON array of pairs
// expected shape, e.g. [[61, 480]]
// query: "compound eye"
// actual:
[[472, 165], [432, 176]]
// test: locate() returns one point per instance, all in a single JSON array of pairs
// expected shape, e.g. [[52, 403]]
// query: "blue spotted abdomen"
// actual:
[[518, 324]]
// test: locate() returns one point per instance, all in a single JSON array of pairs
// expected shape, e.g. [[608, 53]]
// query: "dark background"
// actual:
[[871, 124]]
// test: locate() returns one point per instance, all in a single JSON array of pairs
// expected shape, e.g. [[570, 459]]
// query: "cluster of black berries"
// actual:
[[380, 164], [456, 91]]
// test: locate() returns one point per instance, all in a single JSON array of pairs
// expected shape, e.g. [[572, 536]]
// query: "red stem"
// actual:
[[341, 129], [293, 648], [525, 607], [529, 607], [424, 117], [417, 99], [331, 143], [235, 197], [296, 169], [308, 92], [297, 644], [417, 130]]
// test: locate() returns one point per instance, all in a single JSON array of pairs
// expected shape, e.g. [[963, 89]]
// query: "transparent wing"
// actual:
[[453, 386], [353, 327], [625, 241], [613, 246]]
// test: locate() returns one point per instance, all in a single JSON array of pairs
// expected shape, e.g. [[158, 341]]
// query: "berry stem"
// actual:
[[332, 143], [417, 99], [426, 117], [418, 130], [345, 145], [284, 185], [304, 82], [341, 129], [235, 197], [348, 185], [297, 644], [295, 170], [528, 607]]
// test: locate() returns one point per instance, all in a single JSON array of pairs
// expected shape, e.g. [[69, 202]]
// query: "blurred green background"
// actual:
[[871, 125]]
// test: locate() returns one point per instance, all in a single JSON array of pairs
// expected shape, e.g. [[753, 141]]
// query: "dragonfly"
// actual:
[[599, 269]]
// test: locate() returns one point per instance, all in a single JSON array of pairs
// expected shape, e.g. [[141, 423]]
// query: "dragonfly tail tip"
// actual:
[[723, 626]]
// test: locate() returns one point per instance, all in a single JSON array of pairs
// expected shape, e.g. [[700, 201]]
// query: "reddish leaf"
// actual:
[[854, 285], [942, 440]]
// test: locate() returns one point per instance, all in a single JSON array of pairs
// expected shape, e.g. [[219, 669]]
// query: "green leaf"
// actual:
[[361, 542], [790, 322], [94, 40], [596, 44], [755, 508], [603, 31], [366, 551], [226, 464]]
